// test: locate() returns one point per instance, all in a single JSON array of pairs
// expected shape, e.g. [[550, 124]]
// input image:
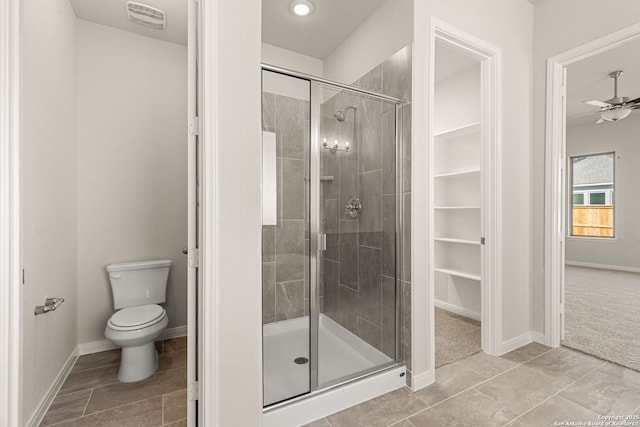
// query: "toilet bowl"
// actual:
[[137, 287], [135, 330]]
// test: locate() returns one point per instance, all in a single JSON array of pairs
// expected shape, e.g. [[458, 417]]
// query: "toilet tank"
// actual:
[[139, 282]]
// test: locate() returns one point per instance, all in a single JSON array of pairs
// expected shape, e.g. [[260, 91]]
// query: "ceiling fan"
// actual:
[[616, 108]]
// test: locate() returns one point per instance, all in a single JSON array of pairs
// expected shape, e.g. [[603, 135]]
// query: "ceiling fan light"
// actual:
[[615, 114]]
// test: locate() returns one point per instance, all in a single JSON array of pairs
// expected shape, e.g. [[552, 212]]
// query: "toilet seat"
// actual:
[[138, 317]]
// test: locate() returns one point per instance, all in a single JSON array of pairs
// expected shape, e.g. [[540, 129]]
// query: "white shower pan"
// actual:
[[341, 354]]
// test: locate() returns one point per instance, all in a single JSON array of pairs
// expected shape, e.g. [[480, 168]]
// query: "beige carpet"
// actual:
[[603, 314], [457, 337]]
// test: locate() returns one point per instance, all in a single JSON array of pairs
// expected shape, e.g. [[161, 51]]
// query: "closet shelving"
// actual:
[[457, 216]]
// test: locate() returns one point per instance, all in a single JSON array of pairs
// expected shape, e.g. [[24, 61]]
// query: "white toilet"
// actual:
[[138, 287]]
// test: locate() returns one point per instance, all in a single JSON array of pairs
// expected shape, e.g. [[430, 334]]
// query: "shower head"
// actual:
[[341, 115]]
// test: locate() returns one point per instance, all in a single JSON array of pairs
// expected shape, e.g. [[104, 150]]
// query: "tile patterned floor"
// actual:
[[534, 386], [92, 395]]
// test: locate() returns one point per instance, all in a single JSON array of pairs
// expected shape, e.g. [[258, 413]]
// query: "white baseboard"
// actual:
[[516, 342], [105, 345], [539, 337], [458, 310], [521, 340], [422, 380], [48, 398], [603, 266]]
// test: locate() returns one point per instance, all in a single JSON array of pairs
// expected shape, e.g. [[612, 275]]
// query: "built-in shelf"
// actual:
[[455, 207], [459, 273], [458, 174], [470, 129], [461, 241]]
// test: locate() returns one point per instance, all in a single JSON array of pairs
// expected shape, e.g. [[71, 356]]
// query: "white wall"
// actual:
[[457, 100], [48, 162], [385, 32], [283, 85], [559, 27], [132, 165], [234, 225], [621, 137], [508, 25]]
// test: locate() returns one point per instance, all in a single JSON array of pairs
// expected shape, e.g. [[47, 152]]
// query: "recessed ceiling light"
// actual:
[[301, 7]]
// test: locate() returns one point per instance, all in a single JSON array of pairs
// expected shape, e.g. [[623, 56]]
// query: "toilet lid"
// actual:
[[131, 317]]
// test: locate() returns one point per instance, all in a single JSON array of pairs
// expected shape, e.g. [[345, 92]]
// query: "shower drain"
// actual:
[[300, 360]]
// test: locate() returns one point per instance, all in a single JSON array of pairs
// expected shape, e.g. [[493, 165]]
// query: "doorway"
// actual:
[[586, 261], [69, 157]]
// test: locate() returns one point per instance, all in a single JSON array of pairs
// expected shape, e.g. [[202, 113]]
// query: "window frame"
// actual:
[[586, 192]]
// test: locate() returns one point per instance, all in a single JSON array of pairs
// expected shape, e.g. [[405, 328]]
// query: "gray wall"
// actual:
[[285, 245], [48, 192]]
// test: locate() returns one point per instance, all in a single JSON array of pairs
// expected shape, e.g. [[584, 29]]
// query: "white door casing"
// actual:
[[10, 292], [556, 174]]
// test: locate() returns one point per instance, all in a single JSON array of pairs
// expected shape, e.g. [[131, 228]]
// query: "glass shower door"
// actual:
[[285, 237], [357, 191], [329, 251]]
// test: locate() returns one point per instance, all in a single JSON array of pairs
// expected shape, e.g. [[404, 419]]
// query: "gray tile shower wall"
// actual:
[[359, 265], [285, 245]]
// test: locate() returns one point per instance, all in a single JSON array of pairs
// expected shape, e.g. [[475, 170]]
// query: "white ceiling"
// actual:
[[589, 79], [113, 13], [317, 34]]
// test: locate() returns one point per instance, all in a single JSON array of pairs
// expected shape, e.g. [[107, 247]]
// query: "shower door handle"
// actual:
[[322, 242]]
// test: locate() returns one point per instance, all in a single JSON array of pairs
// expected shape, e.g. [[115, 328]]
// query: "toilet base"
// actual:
[[138, 363]]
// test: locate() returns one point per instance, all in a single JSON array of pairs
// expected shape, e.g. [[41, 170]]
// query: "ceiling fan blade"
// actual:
[[633, 104], [600, 121], [597, 103], [575, 116]]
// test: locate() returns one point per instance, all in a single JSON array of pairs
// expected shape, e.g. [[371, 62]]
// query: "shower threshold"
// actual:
[[341, 356]]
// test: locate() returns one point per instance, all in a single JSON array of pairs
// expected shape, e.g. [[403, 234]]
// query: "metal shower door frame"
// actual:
[[316, 85]]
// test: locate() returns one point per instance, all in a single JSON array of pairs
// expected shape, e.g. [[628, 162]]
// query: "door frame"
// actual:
[[10, 292], [423, 298], [555, 213]]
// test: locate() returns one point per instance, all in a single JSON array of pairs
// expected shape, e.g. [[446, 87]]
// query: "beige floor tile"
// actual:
[[90, 378], [96, 360], [564, 364], [470, 408], [175, 406], [175, 344], [487, 365], [450, 379], [604, 394], [620, 372], [378, 412], [554, 410], [147, 413], [404, 423], [527, 352], [520, 389], [66, 407], [114, 395], [322, 422]]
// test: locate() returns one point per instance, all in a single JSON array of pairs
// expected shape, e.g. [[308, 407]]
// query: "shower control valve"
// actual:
[[353, 207]]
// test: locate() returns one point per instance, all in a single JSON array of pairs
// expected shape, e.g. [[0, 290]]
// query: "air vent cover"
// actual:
[[146, 15]]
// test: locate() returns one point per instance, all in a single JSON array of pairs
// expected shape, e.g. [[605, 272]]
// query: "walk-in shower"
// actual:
[[331, 216]]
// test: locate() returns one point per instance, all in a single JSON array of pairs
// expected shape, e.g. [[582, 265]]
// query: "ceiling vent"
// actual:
[[146, 15]]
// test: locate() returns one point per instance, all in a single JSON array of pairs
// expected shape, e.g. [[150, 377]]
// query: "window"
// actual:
[[592, 185]]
